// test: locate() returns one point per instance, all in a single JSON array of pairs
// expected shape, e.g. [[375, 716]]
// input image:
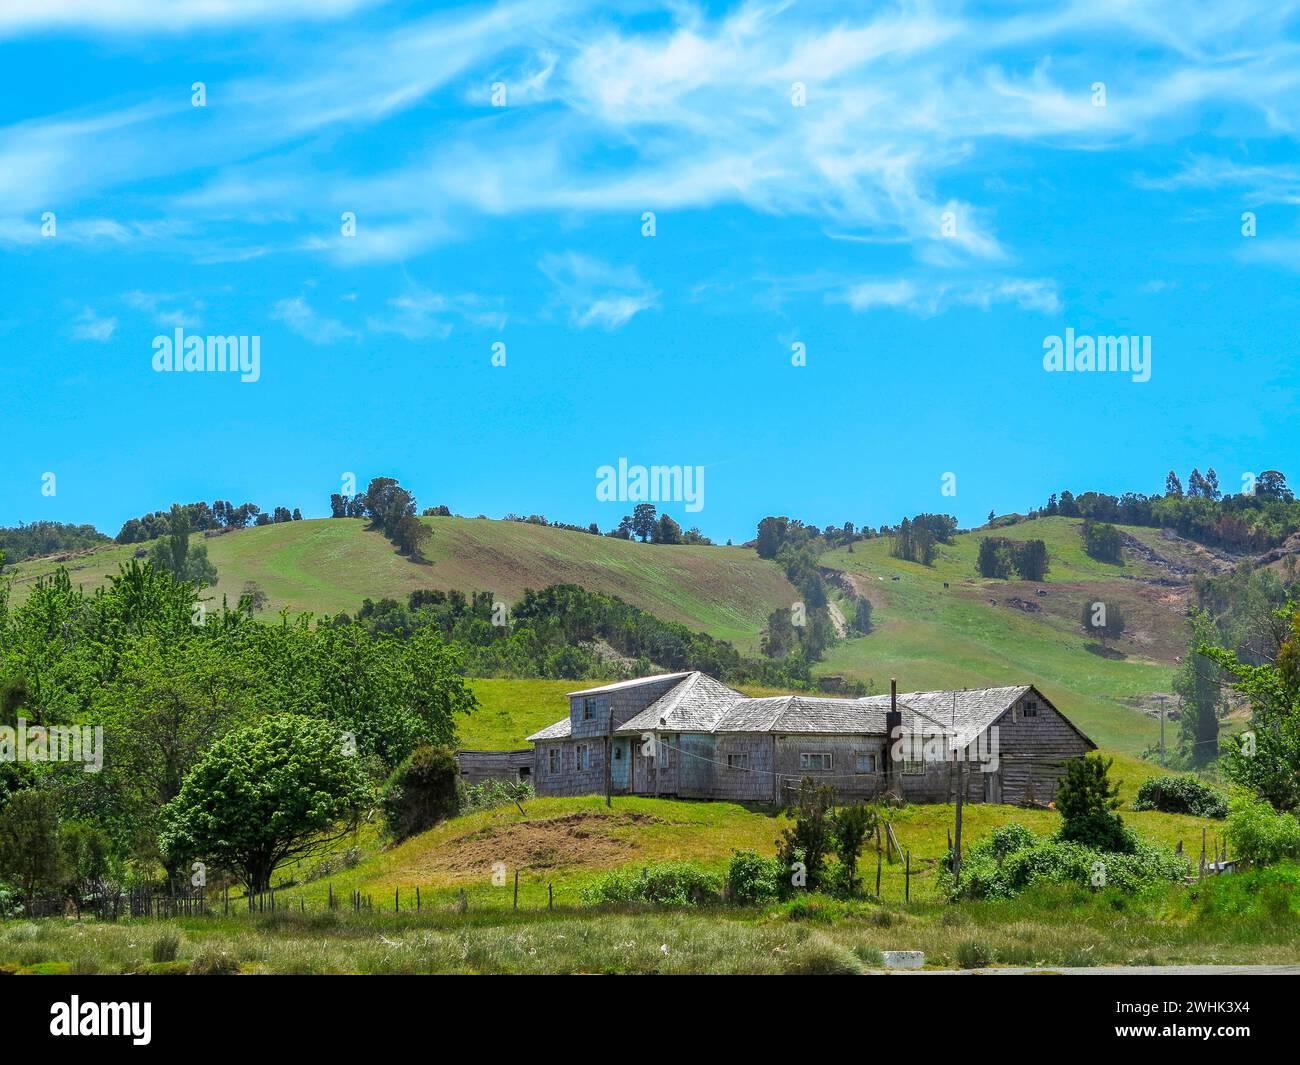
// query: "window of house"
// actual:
[[553, 760], [913, 769], [588, 708], [1030, 709], [866, 762], [582, 756], [738, 761], [665, 752], [815, 760]]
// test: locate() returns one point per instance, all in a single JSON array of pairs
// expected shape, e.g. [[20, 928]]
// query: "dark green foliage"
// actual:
[[1181, 795], [1003, 866], [1103, 620], [549, 632], [1200, 684], [667, 884], [810, 840], [47, 538], [30, 855], [1031, 560], [995, 559], [421, 792], [1259, 834], [914, 542], [753, 879], [1102, 541], [1086, 799], [850, 827], [267, 794], [172, 553]]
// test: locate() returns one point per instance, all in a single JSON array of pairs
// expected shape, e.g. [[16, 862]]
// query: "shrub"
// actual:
[[668, 884], [990, 871], [165, 947], [421, 792], [214, 963], [1258, 833], [753, 879], [873, 957], [493, 793], [972, 954], [1086, 798], [1007, 839], [1184, 794]]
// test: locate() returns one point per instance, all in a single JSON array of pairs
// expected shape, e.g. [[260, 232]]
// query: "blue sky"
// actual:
[[950, 193]]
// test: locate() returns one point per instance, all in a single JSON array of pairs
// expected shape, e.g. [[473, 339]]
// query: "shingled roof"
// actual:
[[698, 703]]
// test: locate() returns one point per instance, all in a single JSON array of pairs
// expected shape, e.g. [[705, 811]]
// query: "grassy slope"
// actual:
[[932, 637], [330, 565], [926, 635], [567, 842]]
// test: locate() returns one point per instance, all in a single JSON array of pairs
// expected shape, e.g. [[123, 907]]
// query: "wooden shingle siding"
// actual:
[[478, 766], [714, 743]]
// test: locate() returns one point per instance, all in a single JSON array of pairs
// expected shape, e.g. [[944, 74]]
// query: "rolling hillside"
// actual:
[[975, 632], [330, 565], [971, 632]]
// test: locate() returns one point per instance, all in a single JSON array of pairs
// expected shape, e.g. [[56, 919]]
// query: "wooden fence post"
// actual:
[[417, 898], [550, 896], [907, 877], [516, 905]]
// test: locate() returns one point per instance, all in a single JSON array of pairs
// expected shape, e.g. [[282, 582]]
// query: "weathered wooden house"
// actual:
[[690, 736], [478, 766]]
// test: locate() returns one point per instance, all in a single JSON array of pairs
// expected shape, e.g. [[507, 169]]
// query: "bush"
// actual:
[[1258, 833], [214, 963], [753, 879], [972, 954], [1184, 794], [493, 793], [1086, 798], [1010, 838], [421, 792], [991, 871], [165, 947], [669, 884]]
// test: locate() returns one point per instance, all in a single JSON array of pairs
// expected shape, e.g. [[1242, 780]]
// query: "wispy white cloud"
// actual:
[[90, 326], [153, 16], [927, 298], [419, 314], [303, 319], [595, 293]]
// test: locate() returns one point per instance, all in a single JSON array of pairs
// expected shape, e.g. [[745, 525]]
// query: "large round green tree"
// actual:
[[266, 794]]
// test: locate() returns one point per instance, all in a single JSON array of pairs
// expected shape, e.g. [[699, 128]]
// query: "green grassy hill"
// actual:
[[330, 565], [975, 632]]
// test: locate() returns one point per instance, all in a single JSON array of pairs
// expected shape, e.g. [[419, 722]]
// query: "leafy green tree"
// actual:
[[1199, 684], [1265, 758], [87, 862], [267, 794], [1087, 799], [666, 531], [1102, 541], [810, 839], [850, 827], [995, 558], [30, 855], [1103, 620], [1031, 560], [643, 520], [421, 792], [174, 554]]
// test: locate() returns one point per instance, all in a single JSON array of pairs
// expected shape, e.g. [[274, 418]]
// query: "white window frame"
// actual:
[[739, 760], [871, 758], [589, 708], [582, 756], [826, 762]]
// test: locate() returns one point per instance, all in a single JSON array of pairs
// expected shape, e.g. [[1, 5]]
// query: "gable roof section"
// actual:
[[694, 705], [635, 682], [561, 730], [698, 703]]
